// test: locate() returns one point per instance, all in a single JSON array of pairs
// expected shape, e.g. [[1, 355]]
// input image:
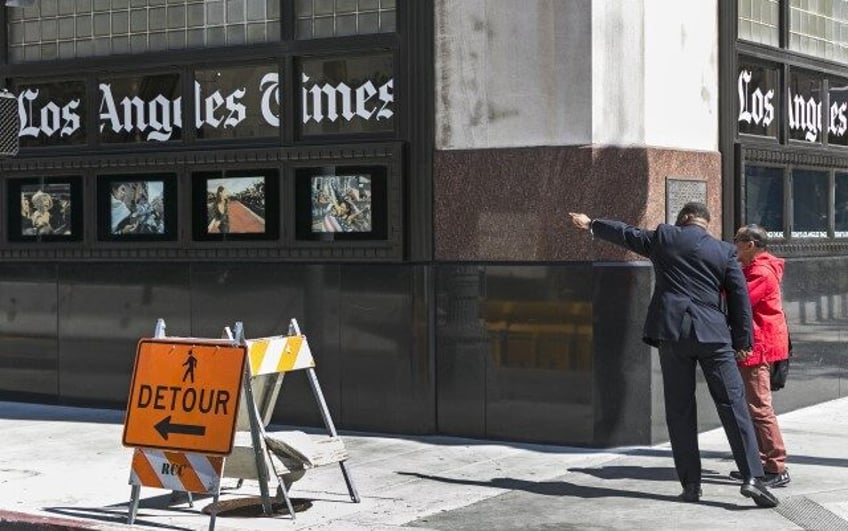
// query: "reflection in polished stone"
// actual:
[[528, 330]]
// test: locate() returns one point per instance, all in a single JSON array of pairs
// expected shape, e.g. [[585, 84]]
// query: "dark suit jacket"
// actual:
[[692, 271]]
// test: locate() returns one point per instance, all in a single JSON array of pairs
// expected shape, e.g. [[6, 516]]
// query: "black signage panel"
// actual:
[[759, 100], [241, 102], [140, 109], [52, 114], [837, 128], [347, 95], [804, 107]]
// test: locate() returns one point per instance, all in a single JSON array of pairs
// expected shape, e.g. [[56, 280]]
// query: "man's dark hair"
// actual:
[[752, 233], [693, 209]]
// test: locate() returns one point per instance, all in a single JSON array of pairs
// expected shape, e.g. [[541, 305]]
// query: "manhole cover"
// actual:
[[252, 506]]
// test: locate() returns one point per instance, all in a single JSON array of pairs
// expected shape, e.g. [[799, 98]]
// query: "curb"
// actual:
[[15, 521]]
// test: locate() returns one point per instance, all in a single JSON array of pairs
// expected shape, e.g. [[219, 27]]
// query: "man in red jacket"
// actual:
[[763, 272]]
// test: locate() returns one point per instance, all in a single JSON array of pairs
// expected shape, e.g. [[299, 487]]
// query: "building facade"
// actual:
[[396, 175]]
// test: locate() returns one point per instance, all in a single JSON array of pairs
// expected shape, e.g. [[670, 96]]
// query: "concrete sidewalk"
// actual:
[[65, 468]]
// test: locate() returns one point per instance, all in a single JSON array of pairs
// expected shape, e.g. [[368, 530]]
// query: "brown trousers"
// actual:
[[769, 438]]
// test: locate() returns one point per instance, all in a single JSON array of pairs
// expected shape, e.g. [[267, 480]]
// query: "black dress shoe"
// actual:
[[735, 474], [753, 488], [691, 493]]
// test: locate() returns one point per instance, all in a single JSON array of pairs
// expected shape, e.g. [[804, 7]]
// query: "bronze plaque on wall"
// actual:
[[678, 192]]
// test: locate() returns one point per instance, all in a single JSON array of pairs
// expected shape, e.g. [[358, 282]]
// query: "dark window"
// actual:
[[237, 102], [809, 204], [51, 113], [764, 198], [140, 109], [838, 115], [758, 100], [347, 95], [841, 205], [804, 106]]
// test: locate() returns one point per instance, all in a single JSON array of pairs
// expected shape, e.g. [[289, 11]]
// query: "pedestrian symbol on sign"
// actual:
[[190, 363]]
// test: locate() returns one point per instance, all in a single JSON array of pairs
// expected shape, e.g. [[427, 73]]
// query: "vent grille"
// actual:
[[10, 124]]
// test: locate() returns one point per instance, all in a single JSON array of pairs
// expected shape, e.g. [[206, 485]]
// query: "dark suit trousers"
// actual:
[[718, 363]]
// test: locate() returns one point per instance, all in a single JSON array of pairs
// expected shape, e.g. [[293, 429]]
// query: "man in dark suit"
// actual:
[[686, 322]]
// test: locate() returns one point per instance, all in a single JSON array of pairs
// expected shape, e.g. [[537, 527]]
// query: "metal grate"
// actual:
[[10, 124], [808, 514]]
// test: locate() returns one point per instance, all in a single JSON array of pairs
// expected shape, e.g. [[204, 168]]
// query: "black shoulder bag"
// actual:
[[780, 369]]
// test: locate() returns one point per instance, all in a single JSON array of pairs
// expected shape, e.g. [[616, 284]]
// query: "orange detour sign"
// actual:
[[184, 395]]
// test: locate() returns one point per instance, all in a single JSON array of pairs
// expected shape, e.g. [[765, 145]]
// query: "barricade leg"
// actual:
[[258, 451], [328, 422], [281, 491], [213, 513], [255, 430], [135, 492], [351, 489]]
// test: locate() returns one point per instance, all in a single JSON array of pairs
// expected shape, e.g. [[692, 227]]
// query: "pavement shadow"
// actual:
[[727, 456], [55, 413], [816, 461], [562, 488], [666, 452], [106, 515], [640, 473]]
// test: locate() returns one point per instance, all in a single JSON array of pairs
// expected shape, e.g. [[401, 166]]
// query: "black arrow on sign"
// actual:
[[165, 427]]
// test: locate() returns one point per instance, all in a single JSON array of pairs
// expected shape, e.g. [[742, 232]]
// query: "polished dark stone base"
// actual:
[[527, 352]]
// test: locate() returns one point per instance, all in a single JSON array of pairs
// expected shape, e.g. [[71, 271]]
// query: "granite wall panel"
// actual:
[[512, 204]]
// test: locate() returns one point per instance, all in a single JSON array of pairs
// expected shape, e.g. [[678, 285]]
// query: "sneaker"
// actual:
[[735, 474], [777, 480]]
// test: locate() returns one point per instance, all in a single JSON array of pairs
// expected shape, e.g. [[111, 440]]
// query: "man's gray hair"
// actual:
[[752, 233]]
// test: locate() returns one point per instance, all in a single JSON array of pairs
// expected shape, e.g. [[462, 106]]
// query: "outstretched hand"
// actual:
[[580, 220]]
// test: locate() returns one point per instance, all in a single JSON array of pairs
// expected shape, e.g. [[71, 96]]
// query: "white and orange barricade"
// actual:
[[287, 454], [278, 354], [177, 471], [206, 437]]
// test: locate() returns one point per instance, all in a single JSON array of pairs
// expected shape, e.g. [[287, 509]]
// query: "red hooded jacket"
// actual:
[[771, 336]]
